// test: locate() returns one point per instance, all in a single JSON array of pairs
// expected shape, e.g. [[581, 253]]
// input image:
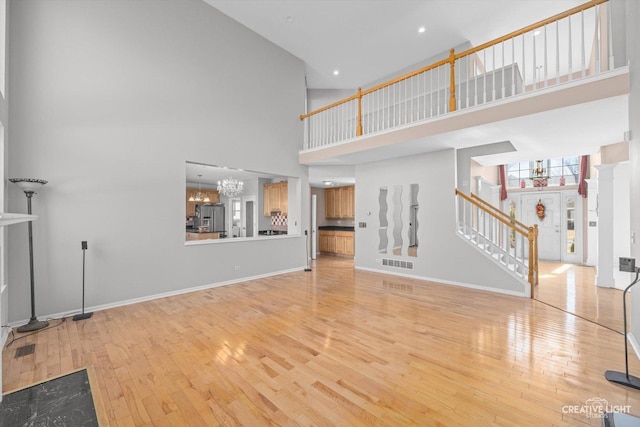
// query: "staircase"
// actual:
[[508, 242]]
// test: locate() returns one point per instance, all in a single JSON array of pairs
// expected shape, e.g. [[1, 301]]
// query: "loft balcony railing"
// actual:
[[566, 47]]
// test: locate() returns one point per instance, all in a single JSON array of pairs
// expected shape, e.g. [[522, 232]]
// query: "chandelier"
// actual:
[[230, 187], [539, 175], [199, 196]]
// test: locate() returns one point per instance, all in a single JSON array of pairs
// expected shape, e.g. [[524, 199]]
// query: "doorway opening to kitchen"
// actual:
[[243, 219]]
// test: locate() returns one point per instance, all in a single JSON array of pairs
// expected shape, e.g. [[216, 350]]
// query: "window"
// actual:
[[560, 167]]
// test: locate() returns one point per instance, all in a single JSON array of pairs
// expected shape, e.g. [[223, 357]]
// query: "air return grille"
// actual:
[[408, 265]]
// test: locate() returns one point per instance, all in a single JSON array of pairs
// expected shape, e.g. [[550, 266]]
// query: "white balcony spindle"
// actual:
[[535, 63], [494, 68], [583, 65], [513, 66], [524, 67], [503, 91], [557, 55], [597, 40], [545, 66]]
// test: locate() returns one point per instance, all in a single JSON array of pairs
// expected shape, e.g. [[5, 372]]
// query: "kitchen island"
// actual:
[[195, 234]]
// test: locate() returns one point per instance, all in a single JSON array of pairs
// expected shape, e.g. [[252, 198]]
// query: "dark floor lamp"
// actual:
[[30, 186], [623, 378]]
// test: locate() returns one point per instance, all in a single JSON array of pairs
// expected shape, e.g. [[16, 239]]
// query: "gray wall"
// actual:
[[442, 255], [109, 99], [4, 161], [464, 179]]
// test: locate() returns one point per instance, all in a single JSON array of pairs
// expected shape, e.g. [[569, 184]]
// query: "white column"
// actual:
[[605, 264], [591, 226]]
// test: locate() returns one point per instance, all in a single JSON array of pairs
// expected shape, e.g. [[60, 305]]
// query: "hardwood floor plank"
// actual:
[[335, 346]]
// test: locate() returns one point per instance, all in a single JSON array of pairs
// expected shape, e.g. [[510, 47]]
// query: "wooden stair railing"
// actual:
[[530, 233]]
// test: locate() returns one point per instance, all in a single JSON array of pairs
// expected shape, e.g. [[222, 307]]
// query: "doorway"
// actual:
[[544, 210], [560, 233], [243, 217], [249, 214]]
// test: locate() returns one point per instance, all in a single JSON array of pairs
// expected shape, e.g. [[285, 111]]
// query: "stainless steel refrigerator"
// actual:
[[211, 216]]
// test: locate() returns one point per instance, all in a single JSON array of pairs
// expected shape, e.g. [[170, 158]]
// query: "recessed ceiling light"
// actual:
[[422, 29], [327, 182], [336, 72], [290, 19]]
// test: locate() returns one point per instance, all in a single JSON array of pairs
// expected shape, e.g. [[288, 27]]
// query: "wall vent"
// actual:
[[408, 265]]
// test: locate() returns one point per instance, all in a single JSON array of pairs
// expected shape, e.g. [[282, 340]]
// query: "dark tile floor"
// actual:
[[64, 401]]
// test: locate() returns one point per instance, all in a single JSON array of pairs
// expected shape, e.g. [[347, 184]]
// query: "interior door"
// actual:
[[249, 217], [236, 217], [549, 236]]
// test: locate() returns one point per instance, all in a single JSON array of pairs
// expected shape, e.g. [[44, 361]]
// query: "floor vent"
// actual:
[[25, 350], [397, 263]]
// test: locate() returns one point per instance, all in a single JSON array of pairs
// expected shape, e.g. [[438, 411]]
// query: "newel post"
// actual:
[[359, 125], [535, 245], [452, 89], [532, 257]]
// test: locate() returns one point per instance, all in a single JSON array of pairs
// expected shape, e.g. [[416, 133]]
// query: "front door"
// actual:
[[549, 236]]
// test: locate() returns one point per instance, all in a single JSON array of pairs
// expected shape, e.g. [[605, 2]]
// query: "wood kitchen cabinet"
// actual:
[[214, 197], [339, 202], [276, 197], [345, 243], [336, 242], [323, 240]]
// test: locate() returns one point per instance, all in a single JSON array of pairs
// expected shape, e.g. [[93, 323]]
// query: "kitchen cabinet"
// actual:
[[339, 202], [276, 197], [323, 240], [214, 197], [345, 243], [336, 242]]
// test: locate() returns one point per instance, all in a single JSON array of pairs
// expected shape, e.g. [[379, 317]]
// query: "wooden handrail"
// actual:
[[328, 107], [480, 206], [406, 76], [499, 212], [531, 27], [451, 59]]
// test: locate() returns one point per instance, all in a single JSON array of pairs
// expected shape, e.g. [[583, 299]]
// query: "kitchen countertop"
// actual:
[[336, 228], [271, 232], [195, 230]]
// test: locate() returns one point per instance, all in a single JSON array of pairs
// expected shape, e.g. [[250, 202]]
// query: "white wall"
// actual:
[[442, 255], [631, 13], [109, 99]]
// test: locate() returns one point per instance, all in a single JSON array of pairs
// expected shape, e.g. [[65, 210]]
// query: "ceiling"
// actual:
[[210, 174], [367, 40], [370, 40]]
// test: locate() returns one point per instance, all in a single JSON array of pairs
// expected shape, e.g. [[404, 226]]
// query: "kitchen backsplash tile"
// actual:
[[279, 221]]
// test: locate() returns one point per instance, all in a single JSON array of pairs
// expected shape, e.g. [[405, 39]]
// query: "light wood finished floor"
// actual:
[[335, 346], [572, 288]]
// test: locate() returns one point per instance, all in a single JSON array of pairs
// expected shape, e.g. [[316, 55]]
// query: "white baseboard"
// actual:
[[155, 296], [446, 282]]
